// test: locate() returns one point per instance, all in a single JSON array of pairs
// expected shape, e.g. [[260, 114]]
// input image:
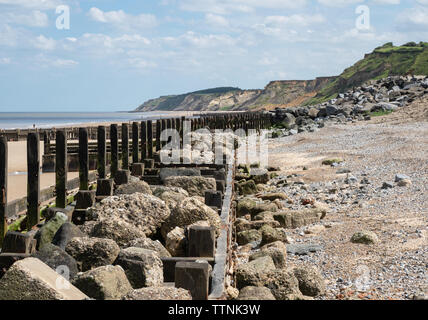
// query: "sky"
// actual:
[[107, 55]]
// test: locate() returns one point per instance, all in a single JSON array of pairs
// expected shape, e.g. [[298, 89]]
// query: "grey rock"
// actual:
[[93, 252], [104, 283], [143, 267], [55, 257]]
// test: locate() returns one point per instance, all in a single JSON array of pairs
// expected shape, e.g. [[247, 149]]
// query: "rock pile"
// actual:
[[384, 95]]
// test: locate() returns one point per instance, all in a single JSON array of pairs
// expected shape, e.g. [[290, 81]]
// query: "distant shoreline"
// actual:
[[18, 121]]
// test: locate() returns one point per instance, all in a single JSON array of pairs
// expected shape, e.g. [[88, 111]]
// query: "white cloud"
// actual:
[[37, 4], [216, 21], [297, 20], [414, 18], [5, 60], [43, 43], [34, 19], [343, 3], [122, 20], [229, 6], [64, 63]]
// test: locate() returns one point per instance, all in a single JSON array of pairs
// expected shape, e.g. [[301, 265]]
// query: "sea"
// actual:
[[45, 120]]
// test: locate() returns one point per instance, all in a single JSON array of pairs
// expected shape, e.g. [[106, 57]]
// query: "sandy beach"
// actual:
[[17, 179]]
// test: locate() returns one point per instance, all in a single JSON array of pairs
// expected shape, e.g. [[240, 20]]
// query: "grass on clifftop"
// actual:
[[387, 60]]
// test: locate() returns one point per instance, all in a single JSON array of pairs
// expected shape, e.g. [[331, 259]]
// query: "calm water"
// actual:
[[10, 120]]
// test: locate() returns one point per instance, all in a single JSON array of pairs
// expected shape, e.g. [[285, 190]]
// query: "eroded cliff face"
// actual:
[[286, 93], [276, 93]]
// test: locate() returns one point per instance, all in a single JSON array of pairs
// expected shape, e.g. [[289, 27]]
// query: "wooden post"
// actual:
[[114, 150], [135, 142], [101, 152], [46, 143], [158, 133], [143, 141], [61, 169], [125, 146], [201, 242], [150, 139], [164, 127], [83, 159], [193, 276], [3, 188], [33, 180], [169, 127]]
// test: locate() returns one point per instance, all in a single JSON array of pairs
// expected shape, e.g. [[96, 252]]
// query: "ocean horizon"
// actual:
[[45, 120]]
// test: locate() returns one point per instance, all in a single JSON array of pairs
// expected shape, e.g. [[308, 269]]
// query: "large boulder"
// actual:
[[104, 283], [189, 211], [65, 233], [93, 252], [135, 186], [274, 195], [247, 187], [149, 244], [55, 257], [282, 283], [176, 242], [47, 232], [159, 293], [244, 225], [253, 273], [31, 279], [255, 293], [158, 190], [195, 186], [311, 283], [365, 237], [118, 230], [171, 197], [165, 173], [249, 206], [248, 236], [270, 234], [276, 250], [144, 211], [292, 219], [259, 175], [143, 267]]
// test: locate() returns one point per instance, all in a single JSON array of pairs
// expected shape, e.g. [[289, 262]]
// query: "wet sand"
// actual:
[[17, 168]]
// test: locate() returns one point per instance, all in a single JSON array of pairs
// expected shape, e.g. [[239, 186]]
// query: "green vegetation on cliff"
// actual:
[[387, 60]]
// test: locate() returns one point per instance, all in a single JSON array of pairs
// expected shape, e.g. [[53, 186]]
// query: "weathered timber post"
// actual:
[[114, 150], [164, 127], [143, 140], [193, 276], [171, 126], [33, 180], [125, 146], [3, 188], [158, 134], [83, 159], [135, 142], [101, 152], [201, 242], [46, 143], [61, 169], [150, 139]]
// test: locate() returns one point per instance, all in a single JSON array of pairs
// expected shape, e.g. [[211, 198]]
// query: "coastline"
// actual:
[[17, 159]]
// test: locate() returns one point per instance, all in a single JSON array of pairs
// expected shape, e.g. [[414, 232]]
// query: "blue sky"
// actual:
[[117, 54]]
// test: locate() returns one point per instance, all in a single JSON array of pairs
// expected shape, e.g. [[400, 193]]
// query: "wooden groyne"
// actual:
[[117, 153]]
